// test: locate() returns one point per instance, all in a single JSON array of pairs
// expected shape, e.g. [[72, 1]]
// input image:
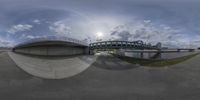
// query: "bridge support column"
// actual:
[[120, 52], [142, 55], [156, 56], [87, 51], [191, 50], [91, 51]]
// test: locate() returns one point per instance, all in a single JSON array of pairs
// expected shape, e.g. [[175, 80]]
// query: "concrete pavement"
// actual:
[[52, 67], [104, 80]]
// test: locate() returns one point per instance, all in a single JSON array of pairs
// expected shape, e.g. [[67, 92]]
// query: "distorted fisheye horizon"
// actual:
[[174, 23], [99, 49]]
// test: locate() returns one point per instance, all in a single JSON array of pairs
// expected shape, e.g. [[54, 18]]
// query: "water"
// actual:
[[157, 56]]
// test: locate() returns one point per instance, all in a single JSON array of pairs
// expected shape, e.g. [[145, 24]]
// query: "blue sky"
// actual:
[[175, 23]]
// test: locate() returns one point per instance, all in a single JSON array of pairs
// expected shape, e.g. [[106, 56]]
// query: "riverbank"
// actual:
[[156, 62]]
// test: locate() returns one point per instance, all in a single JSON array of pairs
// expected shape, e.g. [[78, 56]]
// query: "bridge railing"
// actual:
[[121, 44]]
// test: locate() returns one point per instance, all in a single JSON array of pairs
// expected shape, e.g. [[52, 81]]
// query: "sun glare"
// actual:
[[99, 34]]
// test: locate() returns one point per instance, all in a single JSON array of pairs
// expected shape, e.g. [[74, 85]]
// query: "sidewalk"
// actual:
[[56, 68]]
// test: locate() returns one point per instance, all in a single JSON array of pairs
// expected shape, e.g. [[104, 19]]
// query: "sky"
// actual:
[[174, 23]]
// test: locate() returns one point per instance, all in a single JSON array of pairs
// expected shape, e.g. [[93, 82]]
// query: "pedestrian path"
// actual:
[[56, 68]]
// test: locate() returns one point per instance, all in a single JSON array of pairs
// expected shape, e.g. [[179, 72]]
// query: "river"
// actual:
[[157, 56]]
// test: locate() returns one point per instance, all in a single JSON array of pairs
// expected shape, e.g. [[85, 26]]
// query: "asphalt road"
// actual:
[[107, 79]]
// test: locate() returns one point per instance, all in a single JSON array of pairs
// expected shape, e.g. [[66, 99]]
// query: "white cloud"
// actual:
[[60, 28], [27, 36], [36, 21], [150, 32], [30, 36], [19, 28], [4, 42], [147, 21]]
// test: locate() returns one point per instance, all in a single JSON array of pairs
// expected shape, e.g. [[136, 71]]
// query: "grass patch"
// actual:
[[156, 62]]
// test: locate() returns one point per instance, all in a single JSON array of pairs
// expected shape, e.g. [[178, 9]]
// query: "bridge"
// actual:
[[43, 56], [68, 46], [185, 49], [123, 45], [52, 46]]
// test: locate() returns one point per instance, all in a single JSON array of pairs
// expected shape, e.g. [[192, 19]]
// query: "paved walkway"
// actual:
[[52, 67], [104, 82]]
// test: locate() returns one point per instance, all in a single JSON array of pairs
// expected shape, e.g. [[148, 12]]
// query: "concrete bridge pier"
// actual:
[[120, 52], [91, 51], [141, 55], [87, 51], [157, 55]]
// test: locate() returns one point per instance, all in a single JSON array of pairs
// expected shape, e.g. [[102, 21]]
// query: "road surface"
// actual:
[[106, 79]]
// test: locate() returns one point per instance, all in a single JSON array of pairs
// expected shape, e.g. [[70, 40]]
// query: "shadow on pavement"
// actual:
[[109, 62]]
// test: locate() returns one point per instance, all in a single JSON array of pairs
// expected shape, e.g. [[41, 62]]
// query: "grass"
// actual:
[[157, 62]]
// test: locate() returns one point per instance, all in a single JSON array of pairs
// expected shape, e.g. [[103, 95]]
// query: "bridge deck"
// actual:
[[121, 44]]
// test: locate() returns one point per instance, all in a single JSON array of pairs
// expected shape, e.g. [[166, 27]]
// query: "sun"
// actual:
[[99, 34]]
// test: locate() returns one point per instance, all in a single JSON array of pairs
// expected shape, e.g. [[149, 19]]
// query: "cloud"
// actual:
[[60, 28], [30, 36], [150, 32], [4, 42], [122, 35], [19, 28], [36, 21], [165, 20]]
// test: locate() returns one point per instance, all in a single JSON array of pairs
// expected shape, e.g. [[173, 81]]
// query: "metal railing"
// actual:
[[121, 44]]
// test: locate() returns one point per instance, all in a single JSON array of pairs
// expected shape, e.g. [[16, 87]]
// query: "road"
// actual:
[[107, 79]]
